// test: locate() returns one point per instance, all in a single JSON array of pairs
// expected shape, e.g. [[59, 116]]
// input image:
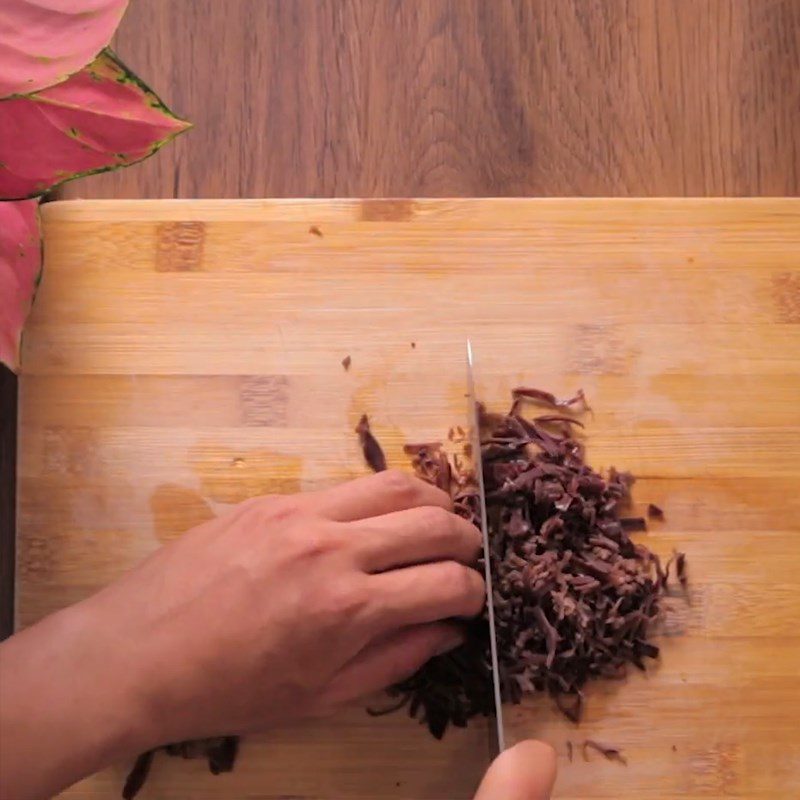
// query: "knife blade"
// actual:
[[496, 731]]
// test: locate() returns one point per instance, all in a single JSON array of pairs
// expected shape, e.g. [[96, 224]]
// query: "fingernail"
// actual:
[[450, 643]]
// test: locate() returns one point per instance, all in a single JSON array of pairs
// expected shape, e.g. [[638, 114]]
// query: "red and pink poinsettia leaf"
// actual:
[[101, 118], [20, 269], [43, 42]]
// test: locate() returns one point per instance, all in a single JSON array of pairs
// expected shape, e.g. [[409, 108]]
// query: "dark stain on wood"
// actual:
[[599, 349], [387, 210], [265, 401], [786, 296], [179, 246], [176, 509]]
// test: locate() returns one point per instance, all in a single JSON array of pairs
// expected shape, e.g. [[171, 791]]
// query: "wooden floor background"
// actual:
[[378, 98]]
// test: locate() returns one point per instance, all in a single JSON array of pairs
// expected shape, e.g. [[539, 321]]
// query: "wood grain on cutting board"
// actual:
[[185, 355]]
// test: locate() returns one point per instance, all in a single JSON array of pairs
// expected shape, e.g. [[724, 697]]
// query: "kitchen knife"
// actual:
[[495, 731]]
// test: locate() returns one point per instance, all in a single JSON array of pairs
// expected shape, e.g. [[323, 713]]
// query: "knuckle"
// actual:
[[472, 536], [435, 520], [316, 541], [345, 599], [271, 510], [467, 584], [450, 573], [398, 484], [311, 545], [456, 577], [280, 509]]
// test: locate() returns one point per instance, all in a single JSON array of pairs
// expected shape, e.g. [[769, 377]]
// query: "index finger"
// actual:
[[376, 495]]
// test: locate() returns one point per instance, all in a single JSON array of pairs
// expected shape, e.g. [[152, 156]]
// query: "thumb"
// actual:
[[526, 771]]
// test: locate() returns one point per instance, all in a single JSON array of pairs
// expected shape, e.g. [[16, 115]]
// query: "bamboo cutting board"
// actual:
[[185, 355]]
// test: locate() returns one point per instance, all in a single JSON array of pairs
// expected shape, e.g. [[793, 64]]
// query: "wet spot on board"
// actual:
[[672, 387], [786, 296], [368, 394], [176, 509], [387, 210], [179, 246], [265, 401], [598, 349], [715, 770], [36, 555], [228, 475]]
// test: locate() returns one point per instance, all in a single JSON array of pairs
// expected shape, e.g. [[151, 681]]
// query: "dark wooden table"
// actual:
[[375, 98]]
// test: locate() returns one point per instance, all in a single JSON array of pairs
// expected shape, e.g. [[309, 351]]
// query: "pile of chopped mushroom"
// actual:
[[574, 597]]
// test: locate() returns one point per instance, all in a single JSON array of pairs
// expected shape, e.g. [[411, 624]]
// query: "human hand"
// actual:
[[287, 607], [526, 771], [292, 606]]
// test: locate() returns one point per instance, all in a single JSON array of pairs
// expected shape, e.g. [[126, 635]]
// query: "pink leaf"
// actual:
[[43, 42], [20, 267], [101, 118]]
